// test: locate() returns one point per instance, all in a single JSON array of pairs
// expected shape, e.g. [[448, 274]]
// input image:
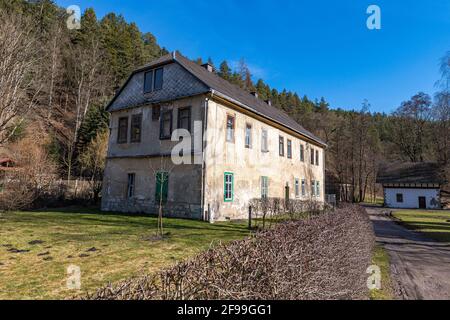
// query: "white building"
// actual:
[[411, 185]]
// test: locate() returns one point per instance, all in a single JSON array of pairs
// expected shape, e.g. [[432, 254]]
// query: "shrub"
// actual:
[[321, 257], [268, 210]]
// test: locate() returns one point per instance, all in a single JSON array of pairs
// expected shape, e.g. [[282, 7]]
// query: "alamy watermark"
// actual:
[[73, 22], [374, 280], [374, 20], [73, 277]]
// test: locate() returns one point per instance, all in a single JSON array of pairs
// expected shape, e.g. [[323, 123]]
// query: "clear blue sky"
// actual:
[[318, 48]]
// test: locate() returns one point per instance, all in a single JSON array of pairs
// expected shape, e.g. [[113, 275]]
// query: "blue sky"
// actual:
[[318, 48]]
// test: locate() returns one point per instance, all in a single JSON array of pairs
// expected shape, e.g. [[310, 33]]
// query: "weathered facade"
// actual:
[[243, 148]]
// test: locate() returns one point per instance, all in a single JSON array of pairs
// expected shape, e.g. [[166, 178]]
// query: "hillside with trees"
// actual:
[[56, 82]]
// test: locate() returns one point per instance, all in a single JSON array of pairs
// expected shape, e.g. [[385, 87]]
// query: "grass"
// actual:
[[380, 258], [434, 224], [378, 201], [122, 248]]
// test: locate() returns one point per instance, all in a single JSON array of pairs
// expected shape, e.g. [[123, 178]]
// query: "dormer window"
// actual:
[[153, 80]]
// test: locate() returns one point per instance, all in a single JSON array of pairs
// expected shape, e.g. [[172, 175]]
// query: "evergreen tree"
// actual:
[[225, 71]]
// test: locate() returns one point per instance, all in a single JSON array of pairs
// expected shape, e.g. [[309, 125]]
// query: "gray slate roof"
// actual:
[[408, 172], [233, 93]]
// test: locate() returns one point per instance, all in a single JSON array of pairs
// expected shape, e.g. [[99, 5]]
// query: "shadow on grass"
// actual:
[[95, 217]]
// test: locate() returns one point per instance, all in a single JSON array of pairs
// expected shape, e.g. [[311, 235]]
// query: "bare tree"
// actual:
[[161, 171], [93, 161], [18, 60], [409, 124]]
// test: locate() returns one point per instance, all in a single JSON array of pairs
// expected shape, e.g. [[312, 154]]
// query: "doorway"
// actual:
[[422, 202]]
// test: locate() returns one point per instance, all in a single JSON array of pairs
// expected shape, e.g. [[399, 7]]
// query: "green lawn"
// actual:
[[381, 259], [107, 248], [434, 224]]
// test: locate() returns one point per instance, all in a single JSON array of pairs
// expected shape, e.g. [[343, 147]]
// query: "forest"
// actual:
[[56, 82]]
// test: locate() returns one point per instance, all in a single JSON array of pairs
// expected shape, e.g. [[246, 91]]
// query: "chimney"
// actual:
[[254, 93], [268, 102], [208, 67]]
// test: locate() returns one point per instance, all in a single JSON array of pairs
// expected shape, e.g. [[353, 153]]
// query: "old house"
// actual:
[[411, 185], [243, 148]]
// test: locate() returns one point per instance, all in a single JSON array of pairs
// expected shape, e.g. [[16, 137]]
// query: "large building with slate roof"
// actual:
[[183, 136]]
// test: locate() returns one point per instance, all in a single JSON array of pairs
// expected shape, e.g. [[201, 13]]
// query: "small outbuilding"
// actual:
[[411, 185]]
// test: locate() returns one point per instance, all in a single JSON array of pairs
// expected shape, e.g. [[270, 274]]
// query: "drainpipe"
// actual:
[[205, 125]]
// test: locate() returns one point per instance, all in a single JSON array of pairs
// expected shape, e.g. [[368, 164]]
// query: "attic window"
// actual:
[[153, 80]]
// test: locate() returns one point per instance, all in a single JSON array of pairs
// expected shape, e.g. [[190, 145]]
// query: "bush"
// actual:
[[274, 210], [321, 257]]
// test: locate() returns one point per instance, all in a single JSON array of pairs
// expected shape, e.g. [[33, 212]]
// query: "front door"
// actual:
[[422, 203]]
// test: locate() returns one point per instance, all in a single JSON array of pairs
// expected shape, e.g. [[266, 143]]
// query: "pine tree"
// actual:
[[225, 71]]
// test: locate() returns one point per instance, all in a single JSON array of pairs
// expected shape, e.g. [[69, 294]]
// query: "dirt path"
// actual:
[[420, 267]]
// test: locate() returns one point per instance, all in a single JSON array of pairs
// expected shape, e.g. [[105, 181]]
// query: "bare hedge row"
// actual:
[[321, 257]]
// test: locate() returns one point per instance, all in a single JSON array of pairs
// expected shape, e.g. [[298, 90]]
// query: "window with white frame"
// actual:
[[248, 136], [317, 189], [303, 187], [230, 128], [264, 187], [289, 149], [313, 188], [281, 146], [264, 143]]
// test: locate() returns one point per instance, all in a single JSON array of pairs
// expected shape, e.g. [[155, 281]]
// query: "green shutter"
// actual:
[[162, 186]]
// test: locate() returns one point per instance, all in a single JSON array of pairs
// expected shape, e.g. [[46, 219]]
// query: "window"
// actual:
[[317, 189], [136, 127], [400, 197], [317, 157], [264, 187], [264, 144], [302, 153], [162, 187], [158, 79], [156, 112], [312, 156], [313, 188], [297, 188], [289, 149], [153, 80], [148, 82], [130, 185], [281, 146], [166, 125], [184, 118], [303, 187], [248, 136], [122, 134], [228, 187], [230, 128]]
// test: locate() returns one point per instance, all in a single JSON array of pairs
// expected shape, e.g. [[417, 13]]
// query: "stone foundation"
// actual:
[[171, 209]]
